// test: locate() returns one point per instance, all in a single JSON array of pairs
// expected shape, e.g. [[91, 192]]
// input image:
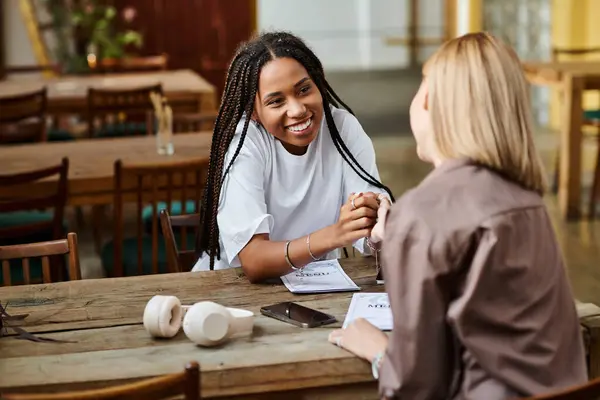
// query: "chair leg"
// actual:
[[556, 172], [79, 217], [595, 192], [345, 251], [98, 212]]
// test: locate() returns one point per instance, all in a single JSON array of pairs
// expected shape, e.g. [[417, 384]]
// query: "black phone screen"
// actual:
[[299, 313]]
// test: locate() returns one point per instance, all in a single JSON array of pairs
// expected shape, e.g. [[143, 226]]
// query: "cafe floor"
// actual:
[[376, 99]]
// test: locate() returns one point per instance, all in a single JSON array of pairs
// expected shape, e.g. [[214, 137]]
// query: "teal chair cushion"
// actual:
[[176, 209], [19, 218], [8, 220], [119, 130], [59, 135], [130, 255], [591, 114]]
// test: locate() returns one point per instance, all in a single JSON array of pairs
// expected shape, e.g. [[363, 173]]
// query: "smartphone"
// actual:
[[298, 315]]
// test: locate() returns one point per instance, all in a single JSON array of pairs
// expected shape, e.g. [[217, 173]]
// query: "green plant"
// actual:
[[89, 25], [98, 23]]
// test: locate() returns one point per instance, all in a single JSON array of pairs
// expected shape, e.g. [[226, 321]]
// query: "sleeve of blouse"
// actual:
[[242, 208], [361, 147], [415, 365]]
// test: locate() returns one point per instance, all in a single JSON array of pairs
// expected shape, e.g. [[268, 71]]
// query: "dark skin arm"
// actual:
[[263, 259]]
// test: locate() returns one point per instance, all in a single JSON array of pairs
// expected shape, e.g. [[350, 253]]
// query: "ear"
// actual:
[[426, 100], [254, 117]]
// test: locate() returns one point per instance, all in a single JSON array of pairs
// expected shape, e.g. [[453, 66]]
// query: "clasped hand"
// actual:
[[363, 215]]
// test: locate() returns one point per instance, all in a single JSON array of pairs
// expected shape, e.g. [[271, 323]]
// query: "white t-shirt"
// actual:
[[269, 190]]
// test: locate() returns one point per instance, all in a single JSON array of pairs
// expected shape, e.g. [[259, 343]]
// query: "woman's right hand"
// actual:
[[357, 218]]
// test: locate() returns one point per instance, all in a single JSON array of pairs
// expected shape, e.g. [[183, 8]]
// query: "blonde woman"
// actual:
[[481, 303]]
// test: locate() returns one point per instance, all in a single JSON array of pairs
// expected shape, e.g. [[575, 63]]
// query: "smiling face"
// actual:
[[289, 104]]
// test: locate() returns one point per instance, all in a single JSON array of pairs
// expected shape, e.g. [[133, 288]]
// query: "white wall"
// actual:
[[345, 34], [331, 27], [431, 25], [350, 34], [17, 46]]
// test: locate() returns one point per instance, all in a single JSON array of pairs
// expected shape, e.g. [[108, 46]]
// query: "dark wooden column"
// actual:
[[201, 35], [413, 33]]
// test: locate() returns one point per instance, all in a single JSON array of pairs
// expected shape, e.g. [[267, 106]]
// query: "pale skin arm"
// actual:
[[378, 231], [262, 258], [361, 337]]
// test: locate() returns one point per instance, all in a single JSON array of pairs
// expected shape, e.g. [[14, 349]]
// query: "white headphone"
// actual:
[[205, 323]]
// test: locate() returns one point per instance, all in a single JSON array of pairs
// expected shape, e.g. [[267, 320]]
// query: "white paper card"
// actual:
[[374, 307], [319, 277]]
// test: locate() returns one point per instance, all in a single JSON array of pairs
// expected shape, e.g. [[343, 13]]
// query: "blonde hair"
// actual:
[[480, 108]]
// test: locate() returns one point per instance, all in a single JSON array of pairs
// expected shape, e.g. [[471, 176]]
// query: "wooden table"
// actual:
[[104, 317], [91, 162], [572, 78], [186, 90]]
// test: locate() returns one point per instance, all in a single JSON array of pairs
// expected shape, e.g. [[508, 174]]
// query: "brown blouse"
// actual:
[[481, 302]]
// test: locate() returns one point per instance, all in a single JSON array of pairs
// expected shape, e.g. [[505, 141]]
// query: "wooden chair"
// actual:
[[588, 391], [190, 122], [595, 191], [23, 117], [15, 224], [186, 383], [41, 250], [133, 64], [573, 51], [591, 119], [180, 183], [21, 218], [180, 260], [52, 133], [116, 112]]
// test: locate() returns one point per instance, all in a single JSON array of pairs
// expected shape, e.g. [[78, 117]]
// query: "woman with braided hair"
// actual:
[[292, 176]]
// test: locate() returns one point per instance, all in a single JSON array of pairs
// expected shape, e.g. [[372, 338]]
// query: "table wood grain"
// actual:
[[104, 319]]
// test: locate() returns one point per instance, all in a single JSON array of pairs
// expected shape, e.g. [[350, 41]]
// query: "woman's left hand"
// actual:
[[361, 338], [378, 231]]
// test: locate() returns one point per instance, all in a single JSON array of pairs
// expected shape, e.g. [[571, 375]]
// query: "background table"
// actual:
[[91, 162], [185, 90]]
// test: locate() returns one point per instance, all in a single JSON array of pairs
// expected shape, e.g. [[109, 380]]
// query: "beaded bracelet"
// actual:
[[371, 245]]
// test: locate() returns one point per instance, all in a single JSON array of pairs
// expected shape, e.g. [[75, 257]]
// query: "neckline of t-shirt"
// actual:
[[295, 158]]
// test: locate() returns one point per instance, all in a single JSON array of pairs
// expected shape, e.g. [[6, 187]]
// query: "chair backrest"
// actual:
[[133, 64], [23, 117], [187, 224], [42, 250], [180, 181], [574, 51], [55, 199], [587, 391], [107, 106], [186, 383], [190, 122]]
